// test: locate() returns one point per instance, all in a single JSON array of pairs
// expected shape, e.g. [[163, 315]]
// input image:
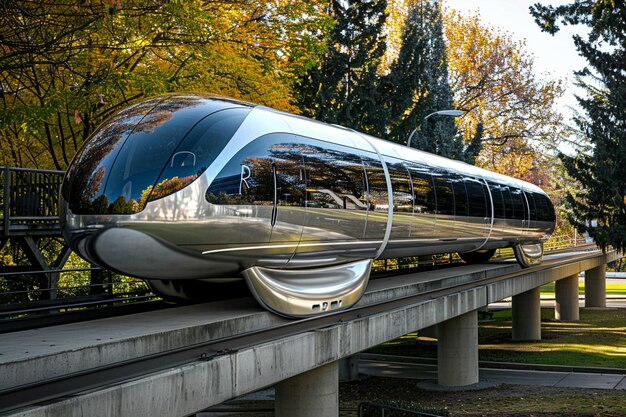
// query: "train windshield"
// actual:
[[148, 152]]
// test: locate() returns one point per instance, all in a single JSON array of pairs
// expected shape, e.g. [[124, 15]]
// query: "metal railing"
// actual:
[[564, 242], [29, 199]]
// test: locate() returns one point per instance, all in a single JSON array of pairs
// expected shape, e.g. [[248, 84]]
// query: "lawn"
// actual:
[[611, 289], [597, 340]]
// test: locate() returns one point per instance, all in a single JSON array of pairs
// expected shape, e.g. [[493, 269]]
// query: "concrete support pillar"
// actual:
[[527, 315], [595, 287], [312, 394], [457, 351], [567, 305], [349, 369]]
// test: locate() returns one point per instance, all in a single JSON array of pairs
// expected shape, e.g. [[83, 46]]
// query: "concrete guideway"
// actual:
[[194, 386]]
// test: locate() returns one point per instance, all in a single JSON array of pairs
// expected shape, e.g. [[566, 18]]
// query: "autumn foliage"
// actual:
[[67, 66]]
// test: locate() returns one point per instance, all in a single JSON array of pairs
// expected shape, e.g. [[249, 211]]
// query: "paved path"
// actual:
[[498, 376]]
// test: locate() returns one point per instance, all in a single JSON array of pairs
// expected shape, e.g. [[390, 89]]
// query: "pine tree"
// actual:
[[440, 129], [406, 85], [344, 87], [601, 167], [419, 80]]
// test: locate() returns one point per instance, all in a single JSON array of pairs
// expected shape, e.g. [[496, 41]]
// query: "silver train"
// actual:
[[200, 195]]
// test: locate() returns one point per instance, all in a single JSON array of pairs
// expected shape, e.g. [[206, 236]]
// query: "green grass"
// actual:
[[597, 340], [611, 289]]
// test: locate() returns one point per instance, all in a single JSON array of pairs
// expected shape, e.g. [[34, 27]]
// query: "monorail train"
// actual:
[[192, 191]]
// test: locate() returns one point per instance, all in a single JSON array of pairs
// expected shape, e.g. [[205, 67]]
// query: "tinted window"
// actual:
[[401, 185], [290, 175], [149, 148], [86, 177], [518, 204], [545, 209], [508, 202], [461, 205], [198, 150], [423, 188], [248, 178], [444, 194], [376, 182], [477, 197], [334, 176], [498, 201]]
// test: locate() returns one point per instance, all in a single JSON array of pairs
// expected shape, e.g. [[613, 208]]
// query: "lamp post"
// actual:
[[452, 113]]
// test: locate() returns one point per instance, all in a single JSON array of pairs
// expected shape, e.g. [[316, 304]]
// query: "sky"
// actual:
[[555, 55]]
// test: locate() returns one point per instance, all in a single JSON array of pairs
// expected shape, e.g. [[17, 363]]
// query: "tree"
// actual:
[[65, 67], [343, 88], [494, 82], [600, 167], [419, 86], [407, 83]]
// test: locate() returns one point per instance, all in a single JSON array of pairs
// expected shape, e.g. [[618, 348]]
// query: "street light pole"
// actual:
[[452, 113]]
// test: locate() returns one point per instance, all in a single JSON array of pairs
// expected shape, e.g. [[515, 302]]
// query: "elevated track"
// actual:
[[179, 361]]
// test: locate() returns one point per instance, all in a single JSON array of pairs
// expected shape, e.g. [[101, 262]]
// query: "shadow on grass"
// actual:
[[597, 340]]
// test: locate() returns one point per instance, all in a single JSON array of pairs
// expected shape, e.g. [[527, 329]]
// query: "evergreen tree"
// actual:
[[601, 168], [419, 86], [344, 87], [441, 130], [406, 85]]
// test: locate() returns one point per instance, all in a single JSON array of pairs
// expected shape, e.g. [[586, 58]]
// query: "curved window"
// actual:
[[444, 193], [118, 168], [86, 177], [198, 150], [518, 204], [508, 202], [377, 195], [334, 176], [255, 174], [401, 185], [461, 205], [498, 201], [477, 198], [545, 209], [148, 150], [423, 189]]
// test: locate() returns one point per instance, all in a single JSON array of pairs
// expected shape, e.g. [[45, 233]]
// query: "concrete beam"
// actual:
[[457, 351], [188, 389], [523, 283], [30, 356], [311, 394], [595, 287], [527, 315], [35, 355], [566, 294]]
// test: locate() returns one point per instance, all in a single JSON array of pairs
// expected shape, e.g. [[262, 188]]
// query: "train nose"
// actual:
[[147, 152]]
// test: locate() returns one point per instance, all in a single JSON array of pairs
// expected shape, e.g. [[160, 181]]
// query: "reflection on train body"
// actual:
[[184, 188]]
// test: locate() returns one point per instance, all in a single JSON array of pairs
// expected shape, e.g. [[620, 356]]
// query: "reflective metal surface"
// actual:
[[232, 187], [528, 254], [311, 291]]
